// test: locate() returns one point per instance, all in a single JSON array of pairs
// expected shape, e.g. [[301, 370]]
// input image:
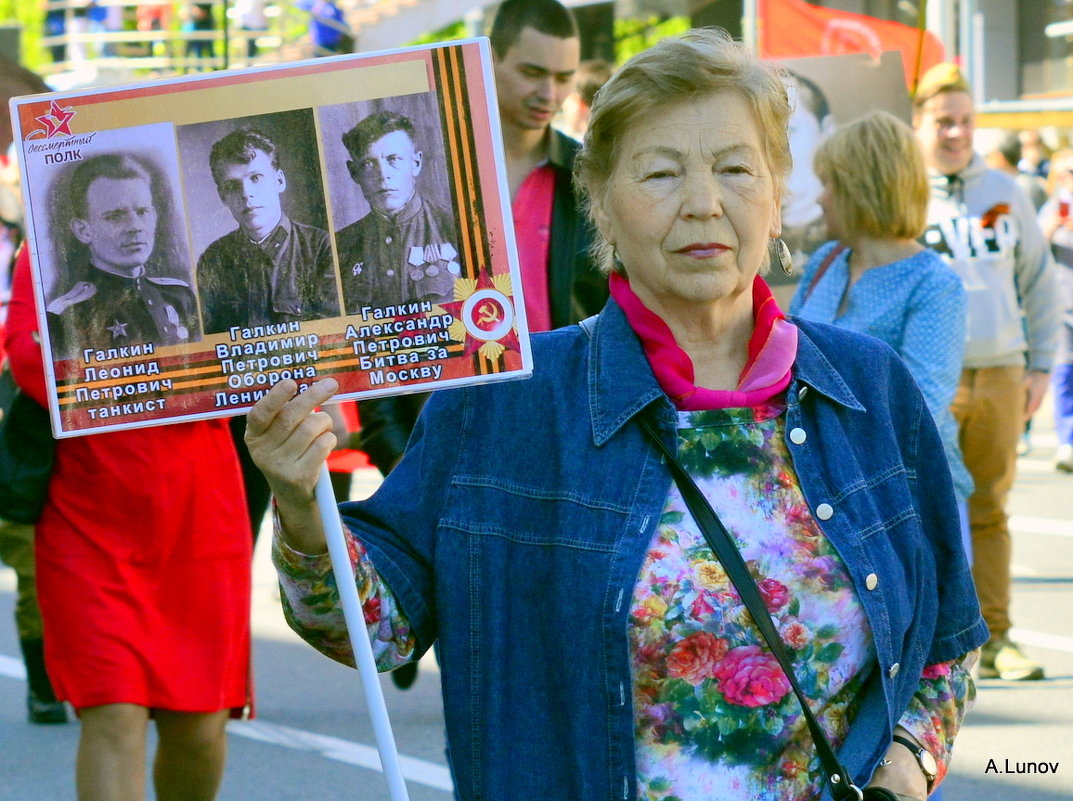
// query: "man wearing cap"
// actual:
[[983, 224]]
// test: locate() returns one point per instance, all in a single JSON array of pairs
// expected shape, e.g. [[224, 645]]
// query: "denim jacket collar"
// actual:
[[618, 390], [813, 368]]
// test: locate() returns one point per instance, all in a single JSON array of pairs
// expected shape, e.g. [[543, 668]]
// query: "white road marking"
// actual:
[[12, 668], [1055, 642], [1041, 525], [414, 770]]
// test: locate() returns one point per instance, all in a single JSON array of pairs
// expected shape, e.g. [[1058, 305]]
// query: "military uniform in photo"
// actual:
[[408, 257], [110, 311], [287, 277]]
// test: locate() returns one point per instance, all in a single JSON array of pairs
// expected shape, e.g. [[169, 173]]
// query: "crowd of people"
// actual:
[[856, 449], [83, 22], [80, 31]]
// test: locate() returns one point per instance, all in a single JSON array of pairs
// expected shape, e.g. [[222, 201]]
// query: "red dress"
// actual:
[[143, 556]]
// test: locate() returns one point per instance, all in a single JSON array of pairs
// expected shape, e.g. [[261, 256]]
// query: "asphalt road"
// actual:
[[312, 739]]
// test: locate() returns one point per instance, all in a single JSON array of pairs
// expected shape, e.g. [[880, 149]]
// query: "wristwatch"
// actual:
[[928, 766]]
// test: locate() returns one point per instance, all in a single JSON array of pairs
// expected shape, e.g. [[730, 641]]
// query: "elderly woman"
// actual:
[[590, 643], [876, 278]]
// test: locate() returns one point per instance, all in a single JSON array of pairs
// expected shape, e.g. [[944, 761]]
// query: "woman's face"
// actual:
[[691, 202], [830, 212]]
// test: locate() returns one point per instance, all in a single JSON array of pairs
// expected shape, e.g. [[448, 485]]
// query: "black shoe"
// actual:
[[405, 676], [41, 703], [39, 710]]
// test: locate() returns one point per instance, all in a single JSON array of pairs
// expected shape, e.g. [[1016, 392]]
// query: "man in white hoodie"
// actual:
[[982, 222]]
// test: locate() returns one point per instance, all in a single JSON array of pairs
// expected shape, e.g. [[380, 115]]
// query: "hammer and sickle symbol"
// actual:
[[487, 313]]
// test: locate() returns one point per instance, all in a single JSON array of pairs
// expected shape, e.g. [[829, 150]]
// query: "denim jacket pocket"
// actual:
[[531, 514]]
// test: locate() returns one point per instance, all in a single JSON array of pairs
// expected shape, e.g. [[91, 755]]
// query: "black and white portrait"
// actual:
[[116, 265], [258, 220], [396, 230]]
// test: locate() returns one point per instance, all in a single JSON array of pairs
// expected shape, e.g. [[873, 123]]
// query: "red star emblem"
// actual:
[[57, 121], [482, 314]]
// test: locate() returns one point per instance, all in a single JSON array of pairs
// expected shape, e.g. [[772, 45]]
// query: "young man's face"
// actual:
[[251, 193], [944, 126], [120, 223], [534, 77], [387, 174]]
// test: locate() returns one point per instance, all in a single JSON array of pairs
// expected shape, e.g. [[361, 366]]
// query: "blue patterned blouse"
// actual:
[[915, 305]]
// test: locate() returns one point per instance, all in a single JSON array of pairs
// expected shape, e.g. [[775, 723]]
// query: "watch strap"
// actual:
[[916, 751]]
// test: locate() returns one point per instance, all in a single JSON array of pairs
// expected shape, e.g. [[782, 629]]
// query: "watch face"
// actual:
[[928, 763]]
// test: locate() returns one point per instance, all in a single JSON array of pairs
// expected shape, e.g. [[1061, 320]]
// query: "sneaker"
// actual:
[[1002, 659], [1063, 459]]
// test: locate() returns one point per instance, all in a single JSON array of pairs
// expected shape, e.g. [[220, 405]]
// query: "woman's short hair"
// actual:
[[875, 171], [676, 69]]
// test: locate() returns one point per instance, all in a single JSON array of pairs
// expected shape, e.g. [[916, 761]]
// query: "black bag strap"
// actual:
[[723, 546]]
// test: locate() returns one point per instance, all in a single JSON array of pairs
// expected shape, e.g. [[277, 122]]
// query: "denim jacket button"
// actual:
[[871, 581], [801, 393], [825, 511], [797, 436], [892, 671]]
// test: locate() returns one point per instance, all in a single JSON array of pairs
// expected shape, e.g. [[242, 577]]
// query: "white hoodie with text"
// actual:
[[984, 225]]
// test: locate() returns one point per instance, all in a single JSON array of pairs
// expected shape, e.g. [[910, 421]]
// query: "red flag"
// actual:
[[793, 28]]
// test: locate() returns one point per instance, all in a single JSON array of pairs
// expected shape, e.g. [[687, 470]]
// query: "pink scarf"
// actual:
[[772, 349]]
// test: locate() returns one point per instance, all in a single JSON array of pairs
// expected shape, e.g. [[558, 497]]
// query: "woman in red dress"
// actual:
[[143, 560]]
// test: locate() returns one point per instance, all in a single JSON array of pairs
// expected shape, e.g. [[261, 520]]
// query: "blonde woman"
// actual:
[[876, 278]]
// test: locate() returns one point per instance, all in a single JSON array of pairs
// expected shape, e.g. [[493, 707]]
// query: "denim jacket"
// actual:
[[513, 531]]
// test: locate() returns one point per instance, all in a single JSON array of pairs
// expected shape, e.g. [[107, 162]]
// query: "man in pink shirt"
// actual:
[[535, 54]]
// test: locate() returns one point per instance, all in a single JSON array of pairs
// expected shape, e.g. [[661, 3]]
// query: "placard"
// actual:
[[197, 239]]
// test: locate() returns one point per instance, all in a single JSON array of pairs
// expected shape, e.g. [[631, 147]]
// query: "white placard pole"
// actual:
[[359, 637]]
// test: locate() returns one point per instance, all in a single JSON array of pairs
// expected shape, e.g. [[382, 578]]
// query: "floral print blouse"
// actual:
[[715, 717]]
